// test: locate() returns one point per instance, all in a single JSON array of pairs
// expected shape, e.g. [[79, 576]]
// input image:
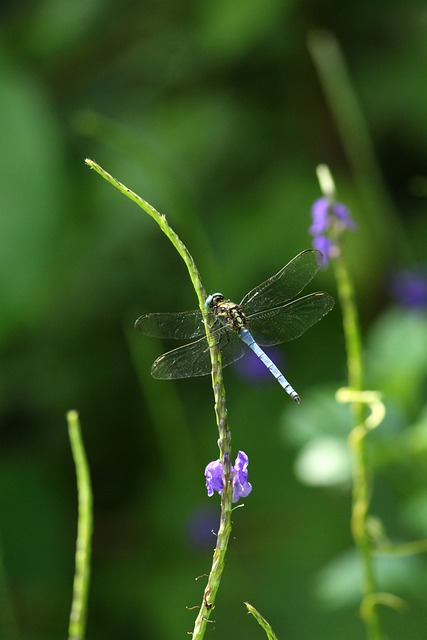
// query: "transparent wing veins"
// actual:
[[285, 284], [193, 359], [289, 321], [179, 326]]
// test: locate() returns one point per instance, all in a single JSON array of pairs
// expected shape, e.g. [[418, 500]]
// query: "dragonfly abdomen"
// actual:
[[248, 339]]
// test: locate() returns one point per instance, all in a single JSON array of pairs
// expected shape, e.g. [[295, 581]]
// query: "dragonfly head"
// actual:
[[213, 300]]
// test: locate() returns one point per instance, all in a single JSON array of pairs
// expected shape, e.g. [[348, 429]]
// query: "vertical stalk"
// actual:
[[77, 625], [224, 531], [361, 488]]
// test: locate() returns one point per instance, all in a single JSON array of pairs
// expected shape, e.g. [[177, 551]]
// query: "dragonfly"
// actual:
[[266, 316]]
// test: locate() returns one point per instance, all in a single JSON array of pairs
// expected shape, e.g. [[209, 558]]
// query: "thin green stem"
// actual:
[[263, 623], [351, 325], [164, 226], [77, 625], [357, 439], [403, 549], [224, 531]]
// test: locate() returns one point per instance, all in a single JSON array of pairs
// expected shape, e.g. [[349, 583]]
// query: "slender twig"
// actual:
[[77, 625], [224, 530], [263, 623]]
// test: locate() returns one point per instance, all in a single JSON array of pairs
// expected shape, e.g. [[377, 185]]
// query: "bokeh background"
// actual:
[[217, 113]]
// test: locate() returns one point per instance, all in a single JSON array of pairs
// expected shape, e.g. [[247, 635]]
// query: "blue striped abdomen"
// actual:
[[248, 339]]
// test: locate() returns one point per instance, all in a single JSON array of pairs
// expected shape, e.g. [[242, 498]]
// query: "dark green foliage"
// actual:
[[211, 111]]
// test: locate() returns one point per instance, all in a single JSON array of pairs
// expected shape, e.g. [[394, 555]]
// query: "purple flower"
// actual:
[[342, 214], [329, 220], [213, 473], [319, 216], [409, 287], [241, 486]]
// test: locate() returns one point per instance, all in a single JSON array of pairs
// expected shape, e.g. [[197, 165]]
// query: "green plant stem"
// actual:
[[361, 488], [262, 622], [351, 326], [77, 625], [224, 531]]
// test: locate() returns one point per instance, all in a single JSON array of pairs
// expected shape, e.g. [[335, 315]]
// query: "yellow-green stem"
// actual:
[[77, 625], [224, 531], [361, 488]]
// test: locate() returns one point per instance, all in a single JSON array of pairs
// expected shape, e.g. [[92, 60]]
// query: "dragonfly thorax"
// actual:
[[226, 312]]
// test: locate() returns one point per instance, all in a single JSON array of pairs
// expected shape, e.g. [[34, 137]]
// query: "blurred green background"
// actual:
[[217, 113]]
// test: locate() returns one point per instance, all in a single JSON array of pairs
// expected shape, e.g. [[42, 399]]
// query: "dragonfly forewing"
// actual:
[[289, 321], [285, 284], [192, 360], [180, 326]]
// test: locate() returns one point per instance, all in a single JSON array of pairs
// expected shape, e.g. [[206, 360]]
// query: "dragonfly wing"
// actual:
[[286, 284], [231, 346], [181, 326], [187, 361], [289, 321], [193, 359]]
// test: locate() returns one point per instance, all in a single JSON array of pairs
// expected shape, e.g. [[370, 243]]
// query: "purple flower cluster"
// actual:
[[241, 486], [329, 220], [409, 287]]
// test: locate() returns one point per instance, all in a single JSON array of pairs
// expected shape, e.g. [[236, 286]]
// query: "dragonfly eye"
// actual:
[[213, 299]]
